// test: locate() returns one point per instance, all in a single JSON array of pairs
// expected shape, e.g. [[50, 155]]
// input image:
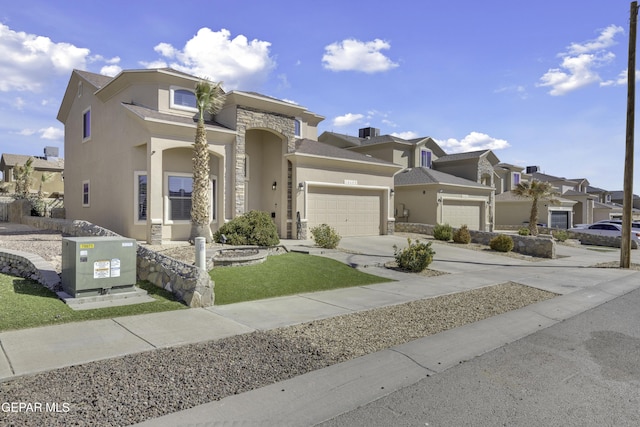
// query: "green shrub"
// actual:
[[415, 257], [561, 235], [501, 243], [252, 228], [524, 231], [462, 235], [443, 232], [325, 236]]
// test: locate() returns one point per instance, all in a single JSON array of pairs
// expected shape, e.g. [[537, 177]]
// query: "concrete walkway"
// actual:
[[320, 395]]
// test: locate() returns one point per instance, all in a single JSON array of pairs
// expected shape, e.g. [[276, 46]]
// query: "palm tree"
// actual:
[[535, 190], [22, 174], [210, 98]]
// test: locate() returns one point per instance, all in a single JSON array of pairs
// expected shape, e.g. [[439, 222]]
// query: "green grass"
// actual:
[[26, 304], [287, 274]]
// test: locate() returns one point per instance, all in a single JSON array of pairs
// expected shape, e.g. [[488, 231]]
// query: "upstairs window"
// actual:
[[86, 125], [516, 179], [425, 159], [183, 99], [296, 127]]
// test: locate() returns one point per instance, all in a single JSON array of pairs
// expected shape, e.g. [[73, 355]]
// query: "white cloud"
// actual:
[[347, 119], [405, 135], [621, 80], [27, 60], [237, 62], [52, 133], [578, 65], [26, 132], [355, 55], [519, 90], [110, 70], [473, 142]]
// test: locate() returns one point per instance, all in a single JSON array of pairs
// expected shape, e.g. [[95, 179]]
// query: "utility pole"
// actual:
[[627, 206]]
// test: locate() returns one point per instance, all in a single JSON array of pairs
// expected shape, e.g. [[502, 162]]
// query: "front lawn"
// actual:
[[286, 274], [25, 303]]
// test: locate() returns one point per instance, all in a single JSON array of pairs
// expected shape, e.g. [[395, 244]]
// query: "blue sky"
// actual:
[[542, 83]]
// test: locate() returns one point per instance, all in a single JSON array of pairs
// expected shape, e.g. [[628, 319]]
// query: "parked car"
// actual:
[[607, 229], [634, 224]]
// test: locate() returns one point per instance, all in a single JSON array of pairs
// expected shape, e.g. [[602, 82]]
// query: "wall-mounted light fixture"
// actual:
[[392, 191], [274, 186], [301, 186]]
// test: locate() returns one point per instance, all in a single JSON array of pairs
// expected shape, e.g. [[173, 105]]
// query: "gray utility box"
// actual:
[[98, 265]]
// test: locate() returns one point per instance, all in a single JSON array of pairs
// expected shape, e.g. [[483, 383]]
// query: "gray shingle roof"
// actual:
[[316, 148], [38, 162], [462, 156], [98, 80], [148, 113], [416, 176]]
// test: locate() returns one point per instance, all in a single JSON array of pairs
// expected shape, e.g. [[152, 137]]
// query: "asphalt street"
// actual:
[[584, 371]]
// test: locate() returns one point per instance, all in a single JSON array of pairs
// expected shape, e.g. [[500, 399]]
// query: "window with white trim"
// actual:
[[425, 158], [297, 127], [140, 202], [179, 191], [182, 99], [516, 179], [86, 193], [86, 124]]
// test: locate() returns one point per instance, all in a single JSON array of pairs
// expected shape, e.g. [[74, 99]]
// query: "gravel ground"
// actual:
[[137, 387]]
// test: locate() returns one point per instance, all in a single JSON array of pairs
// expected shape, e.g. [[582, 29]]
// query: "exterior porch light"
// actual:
[[392, 191], [274, 186], [301, 186]]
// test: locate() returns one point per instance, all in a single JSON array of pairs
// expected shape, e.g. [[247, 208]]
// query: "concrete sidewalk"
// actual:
[[320, 395]]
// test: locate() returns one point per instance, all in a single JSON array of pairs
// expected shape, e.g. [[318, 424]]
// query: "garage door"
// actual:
[[560, 219], [458, 212], [350, 212]]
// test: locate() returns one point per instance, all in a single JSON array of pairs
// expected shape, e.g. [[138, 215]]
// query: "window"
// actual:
[[296, 127], [85, 194], [183, 99], [86, 125], [180, 190], [516, 179], [425, 158], [141, 196]]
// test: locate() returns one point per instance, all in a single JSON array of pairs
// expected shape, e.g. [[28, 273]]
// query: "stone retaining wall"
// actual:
[[187, 282], [542, 246], [29, 266]]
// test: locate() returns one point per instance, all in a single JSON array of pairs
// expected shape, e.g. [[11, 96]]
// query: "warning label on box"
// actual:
[[102, 269], [115, 267]]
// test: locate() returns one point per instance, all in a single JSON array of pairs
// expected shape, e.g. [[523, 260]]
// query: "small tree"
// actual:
[[536, 191], [23, 176]]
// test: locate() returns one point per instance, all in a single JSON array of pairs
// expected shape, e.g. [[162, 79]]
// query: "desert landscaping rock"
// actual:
[[142, 386]]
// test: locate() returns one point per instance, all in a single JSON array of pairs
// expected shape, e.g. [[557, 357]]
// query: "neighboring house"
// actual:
[[49, 166], [513, 210], [507, 177], [128, 149], [572, 189], [433, 188], [617, 197]]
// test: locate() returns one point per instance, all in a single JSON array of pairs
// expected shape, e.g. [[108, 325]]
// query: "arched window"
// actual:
[[183, 99]]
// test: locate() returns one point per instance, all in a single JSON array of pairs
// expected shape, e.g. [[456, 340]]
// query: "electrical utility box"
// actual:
[[98, 265]]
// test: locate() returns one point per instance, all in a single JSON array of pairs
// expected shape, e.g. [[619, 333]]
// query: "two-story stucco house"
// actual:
[[128, 152], [433, 187]]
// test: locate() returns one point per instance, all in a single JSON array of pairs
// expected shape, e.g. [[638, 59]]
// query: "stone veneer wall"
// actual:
[[29, 266], [187, 282], [542, 246], [585, 239]]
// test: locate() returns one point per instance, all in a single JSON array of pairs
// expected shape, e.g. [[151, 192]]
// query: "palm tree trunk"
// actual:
[[200, 223], [533, 219]]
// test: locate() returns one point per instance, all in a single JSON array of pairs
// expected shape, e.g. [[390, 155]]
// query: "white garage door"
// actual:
[[457, 213], [350, 212]]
